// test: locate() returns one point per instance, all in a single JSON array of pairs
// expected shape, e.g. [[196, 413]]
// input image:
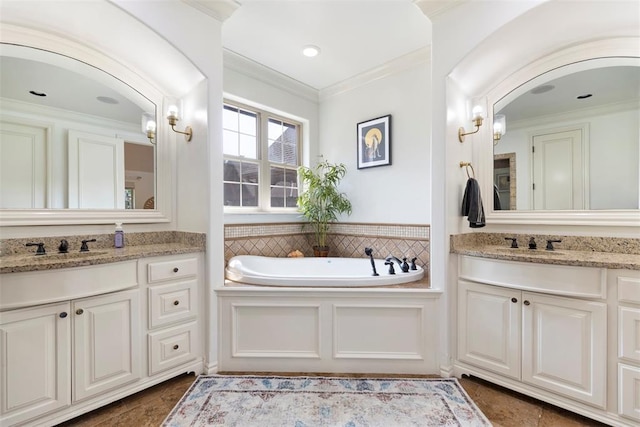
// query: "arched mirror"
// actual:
[[73, 140], [70, 136], [566, 140]]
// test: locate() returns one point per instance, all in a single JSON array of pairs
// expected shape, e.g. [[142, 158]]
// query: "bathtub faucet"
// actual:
[[369, 252], [404, 266]]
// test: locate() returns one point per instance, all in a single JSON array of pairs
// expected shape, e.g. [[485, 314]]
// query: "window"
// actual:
[[261, 158]]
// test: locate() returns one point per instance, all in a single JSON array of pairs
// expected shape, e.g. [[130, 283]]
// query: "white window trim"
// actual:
[[264, 199]]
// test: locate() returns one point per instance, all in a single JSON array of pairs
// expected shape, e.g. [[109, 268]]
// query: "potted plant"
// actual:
[[321, 202]]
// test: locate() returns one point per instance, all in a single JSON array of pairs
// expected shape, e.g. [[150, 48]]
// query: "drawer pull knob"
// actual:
[[514, 300], [63, 314], [175, 269], [79, 311], [175, 347], [176, 302], [526, 302]]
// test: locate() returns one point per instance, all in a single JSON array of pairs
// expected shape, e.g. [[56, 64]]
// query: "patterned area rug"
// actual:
[[246, 401]]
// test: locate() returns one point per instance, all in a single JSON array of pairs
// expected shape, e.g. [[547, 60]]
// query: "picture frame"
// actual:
[[503, 181], [374, 142]]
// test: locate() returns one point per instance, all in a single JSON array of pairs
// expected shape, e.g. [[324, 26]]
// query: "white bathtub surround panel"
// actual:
[[328, 330], [262, 330], [351, 343]]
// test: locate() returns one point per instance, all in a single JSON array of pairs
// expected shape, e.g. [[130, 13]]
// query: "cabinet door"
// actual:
[[106, 342], [565, 345], [35, 362], [489, 327]]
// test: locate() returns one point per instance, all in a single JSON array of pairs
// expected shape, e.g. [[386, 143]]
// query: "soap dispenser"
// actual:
[[119, 236]]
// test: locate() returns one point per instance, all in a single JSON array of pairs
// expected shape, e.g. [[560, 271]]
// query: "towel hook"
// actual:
[[468, 165]]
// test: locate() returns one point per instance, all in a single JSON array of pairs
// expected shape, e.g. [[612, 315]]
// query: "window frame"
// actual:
[[264, 164]]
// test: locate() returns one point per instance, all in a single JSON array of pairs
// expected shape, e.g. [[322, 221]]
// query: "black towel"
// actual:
[[472, 204], [497, 205]]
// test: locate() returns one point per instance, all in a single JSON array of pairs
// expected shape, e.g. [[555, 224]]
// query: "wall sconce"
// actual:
[[149, 126], [172, 116], [477, 114], [499, 127]]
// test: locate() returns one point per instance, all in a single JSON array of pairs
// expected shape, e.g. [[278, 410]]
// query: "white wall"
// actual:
[[399, 193]]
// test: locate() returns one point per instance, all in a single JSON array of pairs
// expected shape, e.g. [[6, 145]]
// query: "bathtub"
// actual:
[[315, 272]]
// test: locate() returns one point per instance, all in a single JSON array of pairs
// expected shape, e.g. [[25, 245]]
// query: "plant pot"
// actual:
[[321, 251]]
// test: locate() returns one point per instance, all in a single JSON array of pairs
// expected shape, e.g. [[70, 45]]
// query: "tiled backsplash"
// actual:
[[345, 240]]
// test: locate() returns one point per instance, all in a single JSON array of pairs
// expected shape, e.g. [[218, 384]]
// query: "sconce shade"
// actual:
[[149, 126], [477, 114], [173, 118], [499, 127]]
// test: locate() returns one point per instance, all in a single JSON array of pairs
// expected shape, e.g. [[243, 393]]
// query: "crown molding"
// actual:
[[218, 9], [433, 8], [255, 70], [420, 56]]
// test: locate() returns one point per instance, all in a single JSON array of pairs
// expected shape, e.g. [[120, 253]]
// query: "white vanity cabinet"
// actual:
[[106, 333], [552, 342], [536, 328], [73, 340], [173, 300], [90, 340], [35, 361], [627, 286]]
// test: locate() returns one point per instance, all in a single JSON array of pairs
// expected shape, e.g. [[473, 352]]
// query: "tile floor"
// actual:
[[502, 407]]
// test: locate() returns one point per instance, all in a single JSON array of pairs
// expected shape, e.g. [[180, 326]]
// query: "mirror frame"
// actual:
[[609, 48], [165, 150]]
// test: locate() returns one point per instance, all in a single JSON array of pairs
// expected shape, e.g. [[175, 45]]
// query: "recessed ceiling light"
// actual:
[[311, 51], [107, 100]]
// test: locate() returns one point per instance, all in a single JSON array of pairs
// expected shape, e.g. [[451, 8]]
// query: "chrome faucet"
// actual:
[[404, 266]]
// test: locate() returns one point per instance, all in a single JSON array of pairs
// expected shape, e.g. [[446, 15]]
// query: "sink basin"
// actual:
[[527, 251]]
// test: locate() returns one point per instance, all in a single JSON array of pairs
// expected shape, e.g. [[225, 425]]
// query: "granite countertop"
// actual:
[[600, 253], [142, 245]]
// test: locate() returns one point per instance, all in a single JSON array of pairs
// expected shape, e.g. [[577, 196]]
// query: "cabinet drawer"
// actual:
[[167, 270], [172, 302], [628, 289], [171, 347], [584, 282], [629, 391], [629, 333]]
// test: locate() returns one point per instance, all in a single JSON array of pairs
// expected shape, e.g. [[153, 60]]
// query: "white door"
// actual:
[[106, 342], [35, 362], [564, 346], [489, 327], [23, 166], [96, 171], [559, 172]]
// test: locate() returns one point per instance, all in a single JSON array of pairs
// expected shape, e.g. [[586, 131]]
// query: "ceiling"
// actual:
[[354, 36]]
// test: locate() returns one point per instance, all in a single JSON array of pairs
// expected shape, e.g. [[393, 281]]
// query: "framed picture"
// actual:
[[374, 142], [503, 181]]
